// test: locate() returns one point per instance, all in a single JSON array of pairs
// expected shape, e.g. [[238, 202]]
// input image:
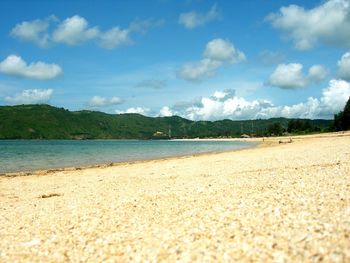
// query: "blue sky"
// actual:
[[203, 60]]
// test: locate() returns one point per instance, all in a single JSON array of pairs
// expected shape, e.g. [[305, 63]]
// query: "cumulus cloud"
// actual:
[[287, 76], [344, 66], [33, 31], [151, 84], [165, 112], [217, 53], [308, 110], [290, 76], [138, 110], [223, 50], [317, 73], [193, 19], [223, 95], [15, 65], [328, 23], [117, 36], [203, 69], [30, 96], [76, 30], [226, 105], [114, 37], [231, 108], [335, 96], [98, 101]]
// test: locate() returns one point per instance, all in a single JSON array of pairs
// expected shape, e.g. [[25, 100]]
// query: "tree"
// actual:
[[342, 119], [275, 129], [301, 126], [346, 116]]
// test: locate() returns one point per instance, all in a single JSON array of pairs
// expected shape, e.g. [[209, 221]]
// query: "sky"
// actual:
[[198, 59]]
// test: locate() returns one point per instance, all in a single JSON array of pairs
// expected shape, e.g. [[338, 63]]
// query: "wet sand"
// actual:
[[276, 202]]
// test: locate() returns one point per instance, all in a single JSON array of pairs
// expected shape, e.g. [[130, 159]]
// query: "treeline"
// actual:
[[47, 122], [342, 119], [341, 122], [296, 126]]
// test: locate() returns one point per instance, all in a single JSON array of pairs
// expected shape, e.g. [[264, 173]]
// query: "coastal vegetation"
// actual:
[[342, 119], [48, 122]]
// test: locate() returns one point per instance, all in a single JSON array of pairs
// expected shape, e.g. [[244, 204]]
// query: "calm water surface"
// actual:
[[28, 155]]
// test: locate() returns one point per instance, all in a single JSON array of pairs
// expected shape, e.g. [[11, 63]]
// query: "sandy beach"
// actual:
[[278, 202]]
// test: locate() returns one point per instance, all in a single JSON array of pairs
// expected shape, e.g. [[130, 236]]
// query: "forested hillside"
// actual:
[[47, 122]]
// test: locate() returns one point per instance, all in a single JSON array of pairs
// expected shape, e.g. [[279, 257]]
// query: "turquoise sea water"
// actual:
[[28, 155]]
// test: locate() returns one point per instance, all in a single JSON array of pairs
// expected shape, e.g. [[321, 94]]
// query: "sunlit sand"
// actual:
[[275, 202]]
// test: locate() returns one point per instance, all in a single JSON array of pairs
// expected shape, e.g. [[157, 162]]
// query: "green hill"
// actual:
[[47, 122]]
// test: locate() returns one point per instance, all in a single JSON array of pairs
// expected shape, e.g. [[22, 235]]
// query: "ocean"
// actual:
[[29, 155]]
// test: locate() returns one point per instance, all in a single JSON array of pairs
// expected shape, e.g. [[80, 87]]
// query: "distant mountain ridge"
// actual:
[[48, 122]]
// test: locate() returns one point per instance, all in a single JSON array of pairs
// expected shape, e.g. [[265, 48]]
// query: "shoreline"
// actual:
[[260, 142], [278, 202], [114, 164]]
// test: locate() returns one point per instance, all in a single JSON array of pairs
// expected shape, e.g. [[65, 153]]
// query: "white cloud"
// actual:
[[332, 101], [193, 19], [309, 109], [151, 84], [317, 73], [217, 53], [74, 30], [232, 108], [198, 71], [223, 95], [15, 65], [165, 112], [98, 101], [344, 66], [114, 37], [33, 31], [226, 105], [219, 95], [335, 96], [290, 76], [30, 96], [223, 50], [138, 110], [328, 23]]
